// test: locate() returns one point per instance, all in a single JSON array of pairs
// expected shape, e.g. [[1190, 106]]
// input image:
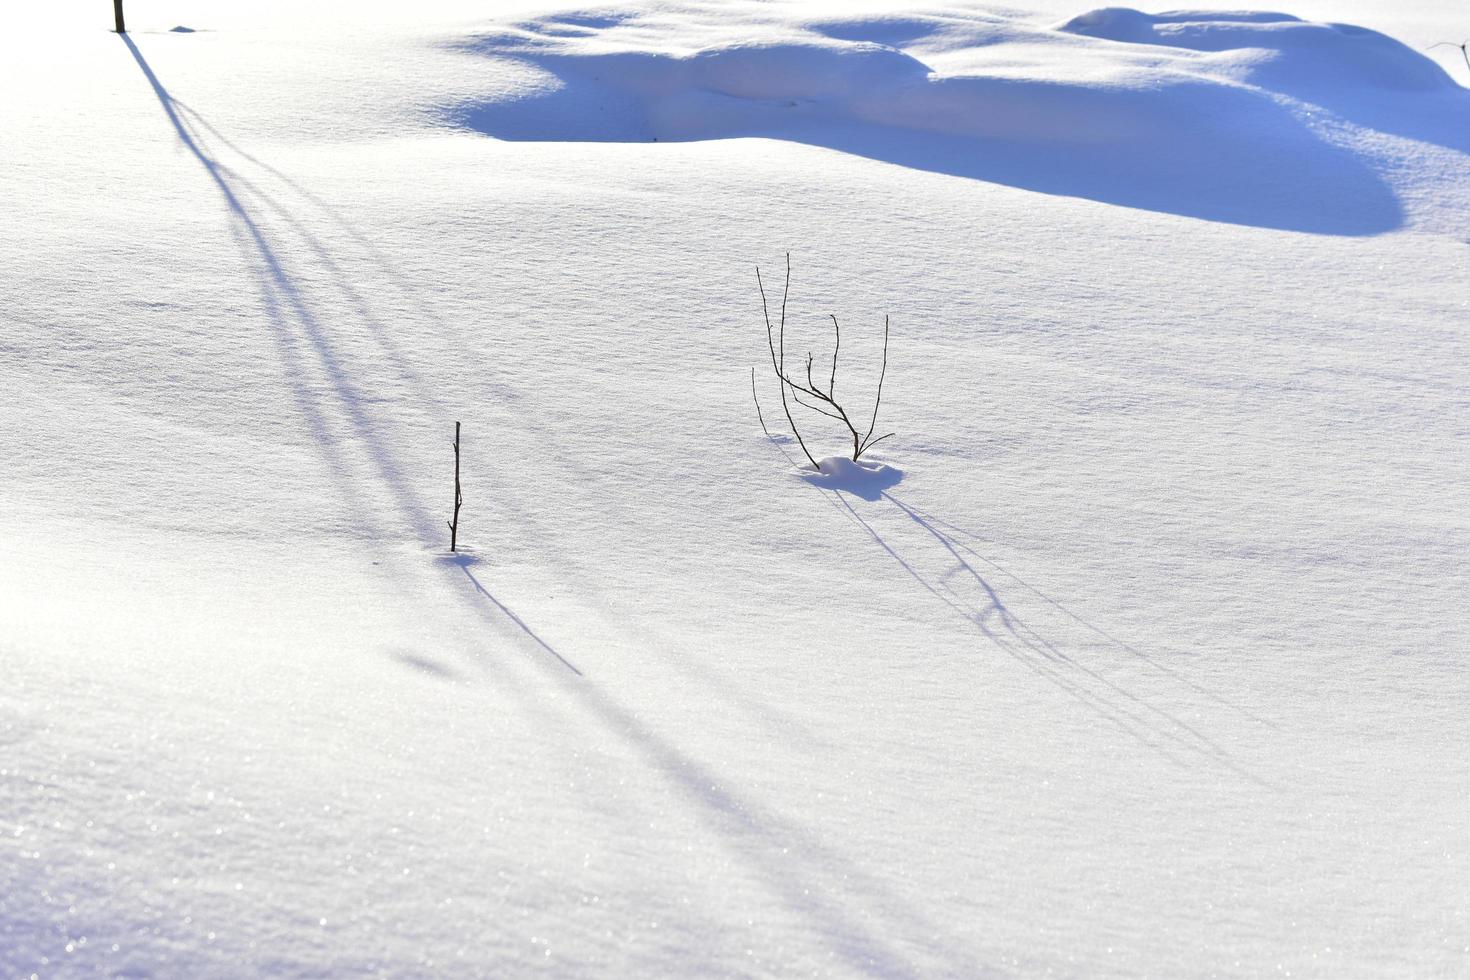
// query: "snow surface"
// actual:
[[1143, 656]]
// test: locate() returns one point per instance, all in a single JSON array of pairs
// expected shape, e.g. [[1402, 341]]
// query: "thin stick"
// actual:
[[117, 15], [815, 408], [836, 347], [777, 360], [758, 413], [1464, 49], [870, 445], [810, 388], [458, 495], [879, 399], [827, 401]]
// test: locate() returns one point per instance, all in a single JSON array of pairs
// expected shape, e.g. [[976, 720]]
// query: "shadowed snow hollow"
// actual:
[[1211, 115], [861, 478]]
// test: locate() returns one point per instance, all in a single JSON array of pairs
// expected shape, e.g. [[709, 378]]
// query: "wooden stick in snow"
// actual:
[[458, 495]]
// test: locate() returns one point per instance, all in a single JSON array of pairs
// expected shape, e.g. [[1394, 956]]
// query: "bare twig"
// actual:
[[821, 402], [879, 399], [870, 445], [1463, 46], [758, 413], [836, 349], [458, 495], [778, 359], [816, 408]]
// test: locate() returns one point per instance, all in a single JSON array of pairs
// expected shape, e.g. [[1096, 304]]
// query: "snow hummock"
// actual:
[[1275, 51], [1214, 115]]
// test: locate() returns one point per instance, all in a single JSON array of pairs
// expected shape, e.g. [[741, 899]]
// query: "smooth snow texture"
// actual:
[[1209, 115], [1152, 663]]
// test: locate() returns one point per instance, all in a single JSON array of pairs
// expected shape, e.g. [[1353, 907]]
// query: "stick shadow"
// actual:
[[985, 611], [293, 319], [808, 876], [962, 587], [296, 325]]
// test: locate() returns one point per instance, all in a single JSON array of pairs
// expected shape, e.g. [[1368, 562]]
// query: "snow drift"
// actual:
[[1212, 115], [1278, 51]]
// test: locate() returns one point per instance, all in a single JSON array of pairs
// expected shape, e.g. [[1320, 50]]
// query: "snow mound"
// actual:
[[863, 478], [804, 71], [890, 30], [1284, 52], [1210, 115]]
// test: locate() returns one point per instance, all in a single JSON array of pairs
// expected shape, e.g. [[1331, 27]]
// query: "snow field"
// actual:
[[1150, 662]]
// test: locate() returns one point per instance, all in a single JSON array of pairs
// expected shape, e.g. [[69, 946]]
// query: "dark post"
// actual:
[[458, 497], [117, 14]]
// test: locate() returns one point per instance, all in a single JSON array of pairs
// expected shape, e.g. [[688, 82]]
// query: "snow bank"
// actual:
[[1283, 51], [1213, 115]]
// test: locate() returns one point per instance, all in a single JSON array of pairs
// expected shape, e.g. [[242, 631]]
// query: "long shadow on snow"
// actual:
[[771, 847], [1008, 631], [977, 601], [516, 405], [236, 189], [285, 302], [294, 323], [811, 879], [1194, 148], [948, 537]]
